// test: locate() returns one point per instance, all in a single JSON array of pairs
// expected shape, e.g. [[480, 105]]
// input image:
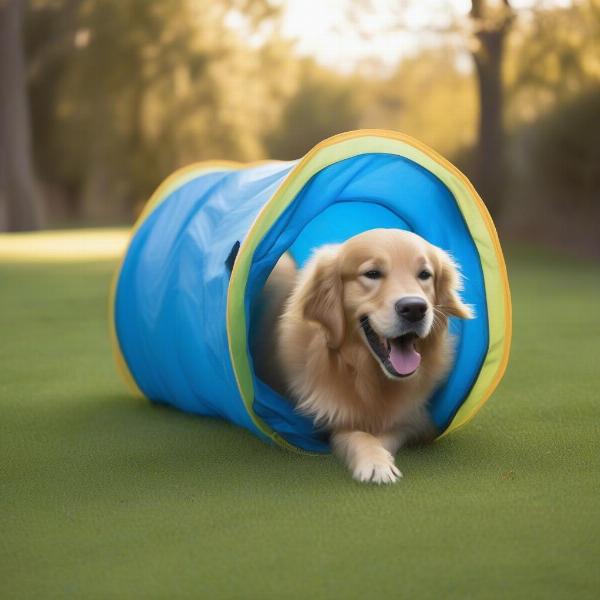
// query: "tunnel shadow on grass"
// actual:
[[115, 440]]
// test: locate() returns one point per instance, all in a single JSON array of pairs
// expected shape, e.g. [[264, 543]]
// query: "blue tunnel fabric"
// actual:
[[171, 293]]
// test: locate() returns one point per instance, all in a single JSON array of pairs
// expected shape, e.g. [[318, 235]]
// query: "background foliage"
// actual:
[[122, 93]]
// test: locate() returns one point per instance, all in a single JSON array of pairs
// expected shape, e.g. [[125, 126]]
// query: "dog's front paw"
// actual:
[[376, 466]]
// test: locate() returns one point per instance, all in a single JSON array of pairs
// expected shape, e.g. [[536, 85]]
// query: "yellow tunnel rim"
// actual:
[[236, 325]]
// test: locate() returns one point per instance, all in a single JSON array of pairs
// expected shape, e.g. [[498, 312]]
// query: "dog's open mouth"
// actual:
[[398, 355]]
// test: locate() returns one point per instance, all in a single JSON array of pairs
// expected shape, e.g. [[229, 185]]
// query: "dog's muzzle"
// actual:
[[398, 356]]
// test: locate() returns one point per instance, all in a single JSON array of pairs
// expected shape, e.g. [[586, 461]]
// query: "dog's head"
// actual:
[[389, 287]]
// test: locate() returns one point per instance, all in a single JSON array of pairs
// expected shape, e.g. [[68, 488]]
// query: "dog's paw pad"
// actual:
[[377, 469]]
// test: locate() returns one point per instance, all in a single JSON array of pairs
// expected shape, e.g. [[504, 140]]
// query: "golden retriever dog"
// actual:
[[362, 342]]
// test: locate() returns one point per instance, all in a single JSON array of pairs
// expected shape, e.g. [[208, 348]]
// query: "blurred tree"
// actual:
[[20, 207], [565, 148], [490, 22], [483, 32], [553, 57], [122, 93], [429, 97], [553, 116], [325, 103], [555, 175], [132, 90]]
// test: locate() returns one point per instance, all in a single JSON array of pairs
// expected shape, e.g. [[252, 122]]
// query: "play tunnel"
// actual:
[[184, 295]]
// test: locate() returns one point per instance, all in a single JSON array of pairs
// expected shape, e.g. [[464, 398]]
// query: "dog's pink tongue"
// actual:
[[404, 358]]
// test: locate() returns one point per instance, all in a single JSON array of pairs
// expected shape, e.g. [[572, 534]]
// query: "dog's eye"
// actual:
[[424, 275], [373, 274]]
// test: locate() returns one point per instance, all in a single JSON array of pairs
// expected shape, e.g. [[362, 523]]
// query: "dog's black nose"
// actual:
[[411, 308]]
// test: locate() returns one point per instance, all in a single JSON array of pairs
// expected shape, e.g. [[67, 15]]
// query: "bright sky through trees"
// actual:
[[323, 30]]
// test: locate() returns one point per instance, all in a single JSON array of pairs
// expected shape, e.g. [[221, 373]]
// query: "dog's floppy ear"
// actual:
[[448, 284], [322, 295]]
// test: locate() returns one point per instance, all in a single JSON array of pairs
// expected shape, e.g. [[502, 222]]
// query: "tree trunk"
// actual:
[[488, 54], [20, 203]]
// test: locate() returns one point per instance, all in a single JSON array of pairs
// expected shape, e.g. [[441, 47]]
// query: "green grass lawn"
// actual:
[[106, 496]]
